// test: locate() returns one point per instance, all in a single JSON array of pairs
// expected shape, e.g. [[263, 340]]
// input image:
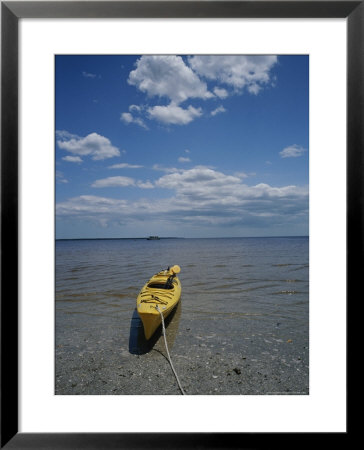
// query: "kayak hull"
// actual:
[[154, 297]]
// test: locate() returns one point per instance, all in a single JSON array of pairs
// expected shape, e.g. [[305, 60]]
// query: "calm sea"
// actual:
[[223, 280]]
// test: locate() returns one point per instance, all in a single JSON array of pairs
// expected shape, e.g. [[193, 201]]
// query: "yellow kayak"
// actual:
[[161, 293]]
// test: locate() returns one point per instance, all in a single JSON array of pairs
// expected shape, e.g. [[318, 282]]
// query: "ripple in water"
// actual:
[[105, 276]]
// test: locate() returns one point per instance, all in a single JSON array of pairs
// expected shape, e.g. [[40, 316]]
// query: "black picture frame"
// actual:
[[11, 12]]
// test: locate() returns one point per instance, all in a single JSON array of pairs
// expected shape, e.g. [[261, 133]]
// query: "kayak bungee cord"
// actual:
[[169, 356], [154, 299]]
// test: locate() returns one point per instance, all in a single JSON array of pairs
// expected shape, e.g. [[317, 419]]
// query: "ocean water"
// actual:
[[232, 289]]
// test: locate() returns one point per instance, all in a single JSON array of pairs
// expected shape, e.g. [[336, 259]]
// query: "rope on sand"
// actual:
[[169, 356]]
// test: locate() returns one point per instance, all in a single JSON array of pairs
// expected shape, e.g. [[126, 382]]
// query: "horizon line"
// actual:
[[177, 237]]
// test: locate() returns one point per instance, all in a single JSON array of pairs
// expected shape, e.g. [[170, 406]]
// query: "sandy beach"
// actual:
[[99, 360]]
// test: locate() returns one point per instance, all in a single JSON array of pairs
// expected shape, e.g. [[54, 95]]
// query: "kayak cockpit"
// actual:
[[160, 286]]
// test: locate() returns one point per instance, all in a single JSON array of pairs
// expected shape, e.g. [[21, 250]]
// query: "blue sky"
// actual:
[[187, 146]]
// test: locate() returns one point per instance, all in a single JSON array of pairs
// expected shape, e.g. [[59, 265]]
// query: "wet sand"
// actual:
[[100, 355]]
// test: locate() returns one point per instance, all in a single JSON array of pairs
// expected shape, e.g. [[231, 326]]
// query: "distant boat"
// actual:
[[153, 238]]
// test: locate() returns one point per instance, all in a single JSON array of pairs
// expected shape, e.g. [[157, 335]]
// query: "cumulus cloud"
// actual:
[[162, 168], [125, 166], [177, 80], [174, 114], [243, 175], [121, 181], [60, 177], [90, 207], [220, 92], [254, 88], [74, 159], [200, 195], [89, 75], [65, 135], [94, 145], [145, 184], [135, 108], [203, 187], [183, 159], [292, 151], [196, 178], [239, 71], [167, 76], [212, 197], [128, 118], [113, 182], [218, 110]]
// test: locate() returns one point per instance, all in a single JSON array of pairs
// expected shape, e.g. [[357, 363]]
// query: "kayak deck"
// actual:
[[163, 290]]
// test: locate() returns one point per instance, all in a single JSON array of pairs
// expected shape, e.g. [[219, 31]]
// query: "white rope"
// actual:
[[169, 356]]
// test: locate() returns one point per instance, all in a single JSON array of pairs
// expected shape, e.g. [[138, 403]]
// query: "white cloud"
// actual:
[[200, 195], [170, 77], [74, 159], [121, 181], [293, 151], [94, 145], [135, 108], [183, 159], [140, 122], [167, 76], [90, 207], [238, 71], [161, 168], [89, 75], [218, 110], [128, 118], [114, 182], [214, 194], [60, 177], [64, 135], [174, 114], [220, 92], [145, 184], [242, 175], [196, 178], [254, 88], [125, 166]]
